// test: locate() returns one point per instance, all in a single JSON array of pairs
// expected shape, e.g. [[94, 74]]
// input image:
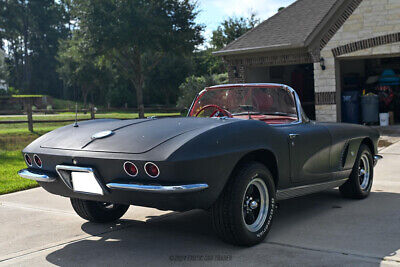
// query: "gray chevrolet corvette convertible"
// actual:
[[241, 149]]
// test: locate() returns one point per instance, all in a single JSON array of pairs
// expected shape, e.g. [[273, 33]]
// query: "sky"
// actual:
[[213, 12]]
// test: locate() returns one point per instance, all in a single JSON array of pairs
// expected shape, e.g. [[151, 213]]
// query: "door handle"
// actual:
[[292, 138]]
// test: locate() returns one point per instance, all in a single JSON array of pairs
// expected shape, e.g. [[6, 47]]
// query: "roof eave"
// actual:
[[257, 49], [313, 36]]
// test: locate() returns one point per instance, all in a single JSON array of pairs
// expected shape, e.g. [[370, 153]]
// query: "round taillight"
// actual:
[[28, 160], [130, 169], [37, 160], [152, 170]]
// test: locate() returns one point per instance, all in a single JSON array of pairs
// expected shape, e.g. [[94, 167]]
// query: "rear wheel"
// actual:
[[243, 213], [101, 212], [360, 182]]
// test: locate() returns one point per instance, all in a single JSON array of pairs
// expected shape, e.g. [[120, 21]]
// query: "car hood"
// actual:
[[128, 136]]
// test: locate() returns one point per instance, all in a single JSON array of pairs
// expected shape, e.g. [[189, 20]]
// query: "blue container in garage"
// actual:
[[351, 107]]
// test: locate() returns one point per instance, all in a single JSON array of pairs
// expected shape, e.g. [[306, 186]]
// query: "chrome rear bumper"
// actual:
[[149, 188], [159, 188], [376, 159], [37, 176]]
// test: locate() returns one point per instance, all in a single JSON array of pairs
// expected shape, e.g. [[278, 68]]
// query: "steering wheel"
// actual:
[[217, 108]]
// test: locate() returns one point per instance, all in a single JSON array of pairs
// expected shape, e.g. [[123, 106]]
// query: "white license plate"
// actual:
[[85, 182]]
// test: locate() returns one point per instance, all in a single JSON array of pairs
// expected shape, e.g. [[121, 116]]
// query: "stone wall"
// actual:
[[371, 21]]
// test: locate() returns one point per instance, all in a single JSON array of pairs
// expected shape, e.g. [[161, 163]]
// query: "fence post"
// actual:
[[92, 116], [28, 105]]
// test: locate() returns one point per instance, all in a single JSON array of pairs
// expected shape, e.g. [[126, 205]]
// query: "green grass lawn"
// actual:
[[41, 128], [14, 137], [12, 162], [71, 116]]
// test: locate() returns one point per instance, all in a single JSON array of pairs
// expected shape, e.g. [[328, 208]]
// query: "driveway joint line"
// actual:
[[335, 252], [19, 206]]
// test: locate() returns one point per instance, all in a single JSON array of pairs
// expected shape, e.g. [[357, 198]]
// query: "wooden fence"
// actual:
[[29, 114]]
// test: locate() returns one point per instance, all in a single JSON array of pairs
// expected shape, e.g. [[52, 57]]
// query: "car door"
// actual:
[[309, 152]]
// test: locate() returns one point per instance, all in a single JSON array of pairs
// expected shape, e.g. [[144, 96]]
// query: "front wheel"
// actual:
[[243, 213], [360, 182], [100, 212]]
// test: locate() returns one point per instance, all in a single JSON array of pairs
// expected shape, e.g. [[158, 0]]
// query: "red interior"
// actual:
[[269, 119], [261, 102]]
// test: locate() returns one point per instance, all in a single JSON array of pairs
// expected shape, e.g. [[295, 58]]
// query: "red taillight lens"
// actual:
[[152, 170], [38, 161], [28, 160], [130, 168]]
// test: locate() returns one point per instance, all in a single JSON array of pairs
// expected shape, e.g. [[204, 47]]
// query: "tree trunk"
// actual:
[[139, 97], [92, 116], [131, 64], [166, 92], [85, 92], [26, 70], [138, 82]]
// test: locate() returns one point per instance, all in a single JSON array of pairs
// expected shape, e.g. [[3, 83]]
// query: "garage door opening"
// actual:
[[299, 77], [370, 87]]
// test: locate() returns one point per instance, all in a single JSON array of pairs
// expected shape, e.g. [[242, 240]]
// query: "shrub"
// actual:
[[3, 92], [193, 85], [13, 91], [117, 97]]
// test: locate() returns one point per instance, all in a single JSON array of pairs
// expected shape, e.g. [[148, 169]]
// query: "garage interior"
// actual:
[[300, 77], [370, 87]]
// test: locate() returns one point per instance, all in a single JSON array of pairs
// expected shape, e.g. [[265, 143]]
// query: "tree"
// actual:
[[3, 68], [32, 30], [193, 85], [162, 82], [231, 29], [80, 66], [126, 31], [205, 63]]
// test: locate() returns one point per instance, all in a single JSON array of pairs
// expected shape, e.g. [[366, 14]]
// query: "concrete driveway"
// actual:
[[323, 229]]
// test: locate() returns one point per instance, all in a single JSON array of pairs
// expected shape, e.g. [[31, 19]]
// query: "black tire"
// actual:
[[229, 213], [357, 187], [98, 212]]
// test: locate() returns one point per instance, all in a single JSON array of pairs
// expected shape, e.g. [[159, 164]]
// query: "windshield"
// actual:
[[252, 102]]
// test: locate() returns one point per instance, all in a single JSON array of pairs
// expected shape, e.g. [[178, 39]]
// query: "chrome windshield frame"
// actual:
[[290, 89]]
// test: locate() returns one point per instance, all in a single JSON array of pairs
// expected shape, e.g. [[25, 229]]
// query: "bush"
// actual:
[[3, 92], [64, 104], [13, 91], [117, 97], [193, 85]]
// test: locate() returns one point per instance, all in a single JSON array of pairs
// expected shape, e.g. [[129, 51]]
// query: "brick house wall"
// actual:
[[372, 29]]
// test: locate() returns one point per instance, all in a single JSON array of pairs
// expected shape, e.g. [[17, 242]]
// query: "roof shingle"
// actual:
[[288, 28]]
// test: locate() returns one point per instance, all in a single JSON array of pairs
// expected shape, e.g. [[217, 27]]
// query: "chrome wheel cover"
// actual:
[[364, 172], [255, 205]]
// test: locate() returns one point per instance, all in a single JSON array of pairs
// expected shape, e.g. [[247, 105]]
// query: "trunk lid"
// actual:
[[129, 136]]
